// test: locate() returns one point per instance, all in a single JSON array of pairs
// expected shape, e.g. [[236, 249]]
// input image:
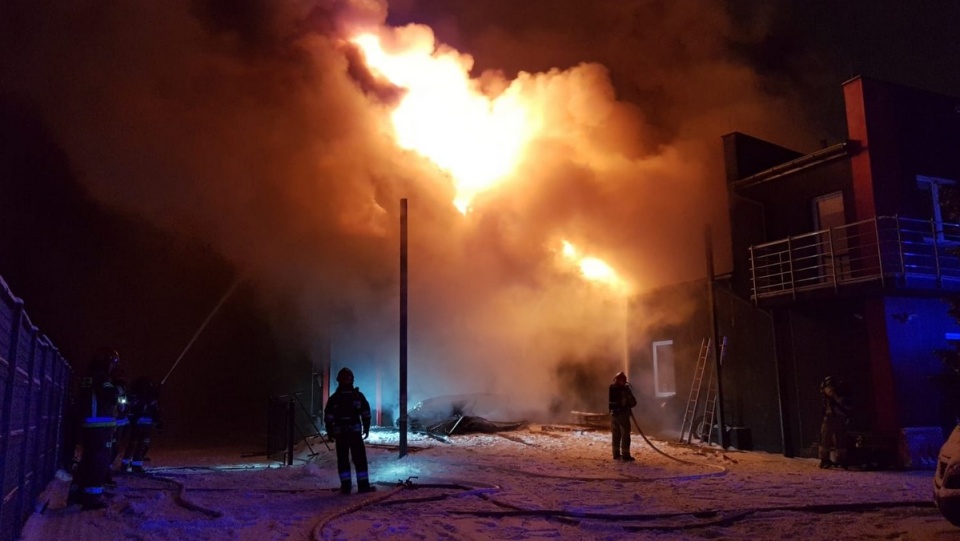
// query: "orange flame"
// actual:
[[478, 140], [593, 268]]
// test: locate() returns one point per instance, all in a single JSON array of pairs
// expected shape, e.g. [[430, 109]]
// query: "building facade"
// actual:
[[844, 263]]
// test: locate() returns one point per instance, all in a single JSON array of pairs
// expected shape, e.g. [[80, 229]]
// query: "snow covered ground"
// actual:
[[542, 482]]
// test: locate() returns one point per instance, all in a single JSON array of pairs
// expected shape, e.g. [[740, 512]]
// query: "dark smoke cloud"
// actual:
[[253, 126]]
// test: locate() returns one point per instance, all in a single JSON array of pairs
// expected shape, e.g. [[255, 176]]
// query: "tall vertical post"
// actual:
[[626, 334], [378, 416], [403, 328], [714, 327], [291, 425]]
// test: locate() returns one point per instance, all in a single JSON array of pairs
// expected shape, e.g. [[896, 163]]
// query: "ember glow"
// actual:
[[445, 116]]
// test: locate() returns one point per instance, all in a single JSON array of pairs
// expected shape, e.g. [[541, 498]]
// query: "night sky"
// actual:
[[152, 154]]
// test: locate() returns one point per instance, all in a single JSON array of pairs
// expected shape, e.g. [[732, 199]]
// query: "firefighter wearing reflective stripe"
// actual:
[[123, 422], [622, 402], [144, 416], [347, 417], [97, 405]]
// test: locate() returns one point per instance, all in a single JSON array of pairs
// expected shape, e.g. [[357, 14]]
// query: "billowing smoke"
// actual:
[[257, 127]]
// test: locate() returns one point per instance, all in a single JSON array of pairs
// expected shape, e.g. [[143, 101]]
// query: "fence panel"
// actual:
[[34, 379]]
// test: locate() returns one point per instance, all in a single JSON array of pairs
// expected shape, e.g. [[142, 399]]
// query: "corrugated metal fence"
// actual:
[[34, 381]]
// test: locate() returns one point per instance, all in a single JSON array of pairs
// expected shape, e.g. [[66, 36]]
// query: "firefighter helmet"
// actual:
[[108, 355], [105, 360], [620, 378], [345, 376]]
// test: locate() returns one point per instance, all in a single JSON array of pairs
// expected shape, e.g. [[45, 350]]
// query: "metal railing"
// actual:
[[886, 250], [34, 381]]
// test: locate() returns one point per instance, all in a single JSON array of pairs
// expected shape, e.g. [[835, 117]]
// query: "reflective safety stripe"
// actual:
[[137, 463], [123, 421], [93, 490], [362, 475], [145, 421], [345, 475], [125, 461], [99, 422]]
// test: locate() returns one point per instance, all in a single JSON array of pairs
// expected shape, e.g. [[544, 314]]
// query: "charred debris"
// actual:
[[450, 415]]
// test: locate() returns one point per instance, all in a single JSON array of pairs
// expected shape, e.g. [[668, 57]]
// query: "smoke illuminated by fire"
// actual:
[[282, 136], [444, 115]]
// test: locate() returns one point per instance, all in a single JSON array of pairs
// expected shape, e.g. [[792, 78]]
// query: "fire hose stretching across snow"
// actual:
[[702, 518], [727, 516], [668, 520], [182, 500], [654, 447], [718, 517], [315, 532], [484, 492]]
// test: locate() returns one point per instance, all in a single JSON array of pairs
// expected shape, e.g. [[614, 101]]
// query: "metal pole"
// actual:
[[403, 328], [379, 416], [290, 428], [626, 335]]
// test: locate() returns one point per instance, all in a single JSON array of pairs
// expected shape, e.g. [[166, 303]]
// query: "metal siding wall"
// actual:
[[33, 460], [12, 463], [9, 304], [751, 397], [49, 446], [61, 423], [10, 309], [33, 384], [27, 348]]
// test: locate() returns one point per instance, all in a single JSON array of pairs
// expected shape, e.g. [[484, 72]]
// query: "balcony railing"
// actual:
[[888, 250]]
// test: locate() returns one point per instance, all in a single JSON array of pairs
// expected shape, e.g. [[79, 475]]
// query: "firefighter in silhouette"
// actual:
[[833, 429], [97, 412], [347, 417], [123, 423], [144, 417], [622, 402]]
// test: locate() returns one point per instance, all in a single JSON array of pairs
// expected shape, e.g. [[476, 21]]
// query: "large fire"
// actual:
[[593, 268], [445, 116]]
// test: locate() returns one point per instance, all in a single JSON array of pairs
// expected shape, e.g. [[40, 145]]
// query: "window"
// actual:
[[664, 379], [939, 204], [833, 258], [828, 211]]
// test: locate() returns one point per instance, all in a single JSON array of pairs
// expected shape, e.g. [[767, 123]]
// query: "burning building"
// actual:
[[282, 135]]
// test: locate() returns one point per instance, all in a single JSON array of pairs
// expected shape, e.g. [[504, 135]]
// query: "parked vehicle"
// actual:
[[946, 480]]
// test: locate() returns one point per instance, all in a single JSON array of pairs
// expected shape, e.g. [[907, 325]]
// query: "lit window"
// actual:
[[664, 379]]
